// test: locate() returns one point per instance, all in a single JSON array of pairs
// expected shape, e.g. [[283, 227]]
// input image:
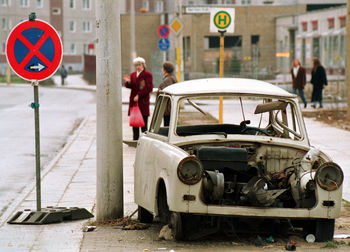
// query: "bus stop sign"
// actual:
[[34, 50]]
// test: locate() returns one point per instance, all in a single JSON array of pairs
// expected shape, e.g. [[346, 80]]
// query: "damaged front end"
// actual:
[[264, 176]]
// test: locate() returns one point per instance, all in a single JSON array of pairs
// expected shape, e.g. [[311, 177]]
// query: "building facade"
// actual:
[[318, 34]]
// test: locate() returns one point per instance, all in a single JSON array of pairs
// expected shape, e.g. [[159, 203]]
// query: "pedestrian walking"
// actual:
[[64, 74], [298, 80], [168, 79], [141, 84], [319, 82]]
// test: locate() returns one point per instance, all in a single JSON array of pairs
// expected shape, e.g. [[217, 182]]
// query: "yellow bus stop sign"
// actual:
[[222, 19]]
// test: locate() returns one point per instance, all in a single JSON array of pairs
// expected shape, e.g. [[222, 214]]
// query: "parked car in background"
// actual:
[[201, 176]]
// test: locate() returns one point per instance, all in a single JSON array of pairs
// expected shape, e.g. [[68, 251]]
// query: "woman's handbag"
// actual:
[[136, 119]]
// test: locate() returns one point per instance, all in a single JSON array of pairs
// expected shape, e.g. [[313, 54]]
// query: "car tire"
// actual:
[[163, 208], [176, 225], [144, 216], [324, 230]]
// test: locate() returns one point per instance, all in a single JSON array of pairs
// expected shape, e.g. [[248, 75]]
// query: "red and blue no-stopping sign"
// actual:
[[163, 31], [34, 50]]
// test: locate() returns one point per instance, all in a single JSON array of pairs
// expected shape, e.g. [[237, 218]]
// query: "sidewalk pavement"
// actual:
[[68, 181]]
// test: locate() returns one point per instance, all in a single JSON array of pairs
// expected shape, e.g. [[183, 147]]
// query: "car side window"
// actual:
[[157, 124]]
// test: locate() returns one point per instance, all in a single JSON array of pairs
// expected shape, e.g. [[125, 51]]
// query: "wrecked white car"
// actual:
[[199, 174]]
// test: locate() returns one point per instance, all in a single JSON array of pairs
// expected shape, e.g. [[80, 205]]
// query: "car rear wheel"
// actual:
[[144, 216]]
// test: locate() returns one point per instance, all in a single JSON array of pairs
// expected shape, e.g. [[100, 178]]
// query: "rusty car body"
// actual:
[[257, 164]]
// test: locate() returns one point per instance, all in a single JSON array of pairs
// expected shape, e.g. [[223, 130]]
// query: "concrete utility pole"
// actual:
[[109, 191], [348, 57], [132, 34]]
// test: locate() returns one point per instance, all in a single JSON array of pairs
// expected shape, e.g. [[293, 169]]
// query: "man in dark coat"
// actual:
[[319, 81], [169, 78], [298, 80], [141, 84]]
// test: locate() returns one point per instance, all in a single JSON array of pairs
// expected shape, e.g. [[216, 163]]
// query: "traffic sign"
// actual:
[[164, 44], [163, 31], [34, 50], [222, 20], [176, 25]]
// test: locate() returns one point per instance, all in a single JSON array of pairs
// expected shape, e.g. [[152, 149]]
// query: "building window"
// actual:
[[145, 5], [9, 24], [72, 48], [39, 3], [56, 11], [229, 41], [86, 49], [246, 2], [314, 25], [24, 3], [86, 4], [304, 26], [158, 6], [342, 20], [3, 47], [3, 24], [4, 2], [86, 26], [72, 4], [330, 23], [72, 26], [254, 39]]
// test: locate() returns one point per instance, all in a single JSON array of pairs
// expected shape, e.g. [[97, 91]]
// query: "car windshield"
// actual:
[[241, 115]]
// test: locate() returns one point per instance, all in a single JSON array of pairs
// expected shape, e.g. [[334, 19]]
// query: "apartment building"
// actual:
[[73, 19]]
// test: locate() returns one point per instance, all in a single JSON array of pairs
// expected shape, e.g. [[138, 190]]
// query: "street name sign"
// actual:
[[163, 44], [34, 50], [163, 31], [222, 19]]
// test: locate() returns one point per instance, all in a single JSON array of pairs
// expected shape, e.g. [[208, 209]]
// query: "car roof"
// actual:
[[226, 86]]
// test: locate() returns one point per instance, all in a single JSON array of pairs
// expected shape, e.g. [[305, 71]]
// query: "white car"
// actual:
[[199, 174]]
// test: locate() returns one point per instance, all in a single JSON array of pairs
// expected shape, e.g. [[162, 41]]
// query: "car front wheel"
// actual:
[[144, 216], [324, 230]]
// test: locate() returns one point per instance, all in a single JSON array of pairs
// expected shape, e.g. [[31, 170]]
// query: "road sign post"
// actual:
[[35, 105], [176, 26], [222, 21], [34, 52]]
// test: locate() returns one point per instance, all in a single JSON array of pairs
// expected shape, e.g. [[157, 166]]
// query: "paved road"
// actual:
[[60, 112]]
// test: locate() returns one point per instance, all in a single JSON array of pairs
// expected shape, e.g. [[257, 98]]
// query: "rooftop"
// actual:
[[226, 86]]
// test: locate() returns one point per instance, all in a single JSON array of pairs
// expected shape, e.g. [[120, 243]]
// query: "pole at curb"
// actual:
[[221, 73], [132, 35], [35, 106], [109, 172], [348, 57]]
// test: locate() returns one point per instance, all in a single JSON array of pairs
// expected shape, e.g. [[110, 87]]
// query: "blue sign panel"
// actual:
[[164, 44]]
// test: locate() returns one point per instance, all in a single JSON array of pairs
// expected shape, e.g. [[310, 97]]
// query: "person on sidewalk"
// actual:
[[298, 80], [63, 73], [319, 82], [169, 78], [141, 84]]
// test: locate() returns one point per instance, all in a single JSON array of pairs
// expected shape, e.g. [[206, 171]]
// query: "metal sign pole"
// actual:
[[221, 73], [35, 106]]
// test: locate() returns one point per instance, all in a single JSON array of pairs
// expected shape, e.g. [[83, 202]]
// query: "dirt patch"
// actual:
[[333, 117]]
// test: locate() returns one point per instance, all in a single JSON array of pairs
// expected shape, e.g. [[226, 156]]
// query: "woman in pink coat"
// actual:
[[141, 84]]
